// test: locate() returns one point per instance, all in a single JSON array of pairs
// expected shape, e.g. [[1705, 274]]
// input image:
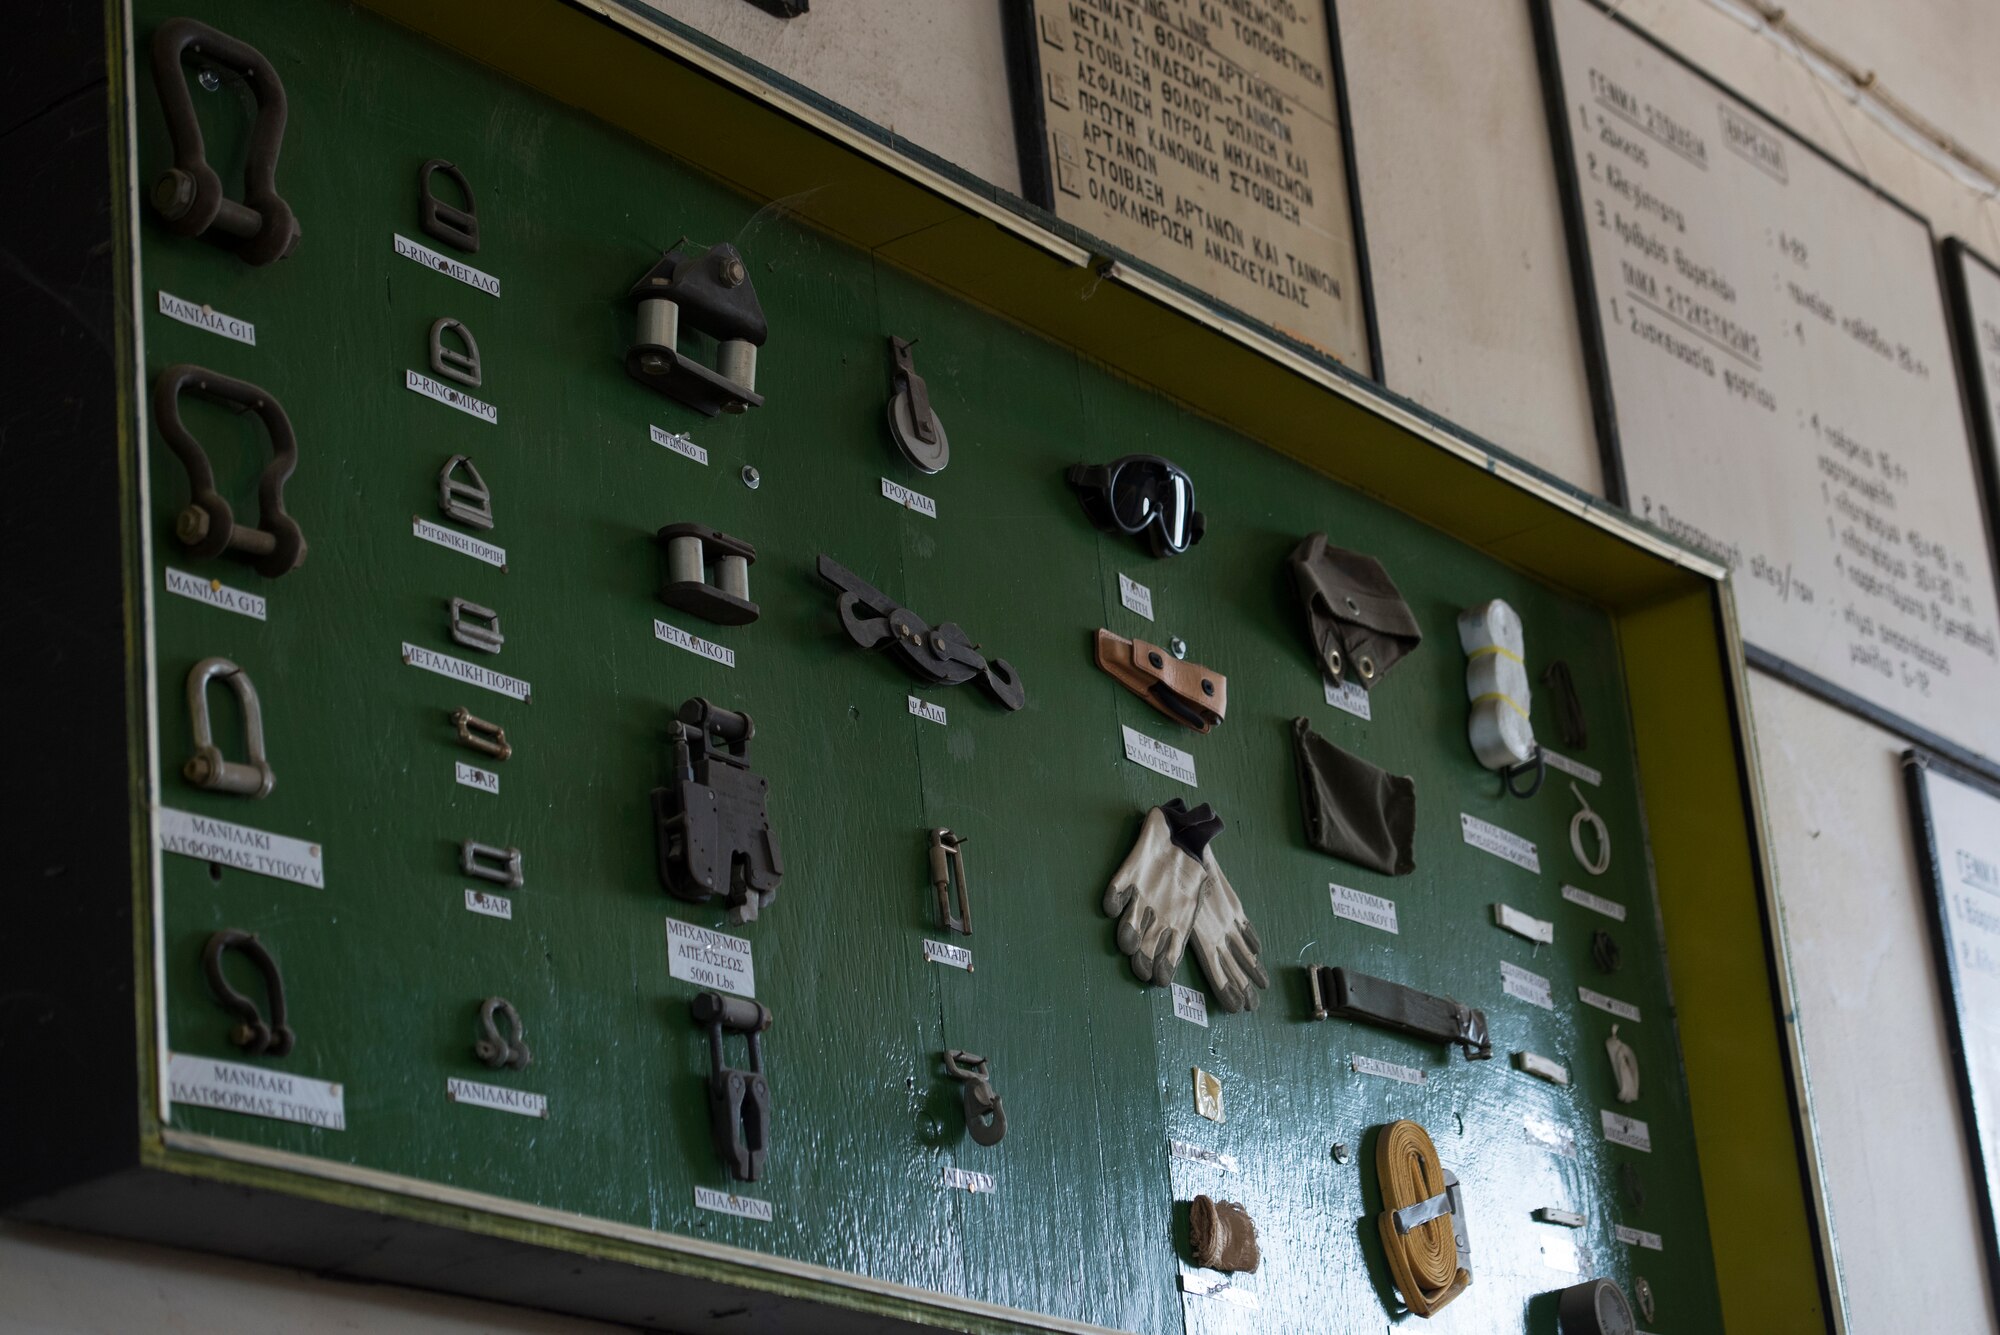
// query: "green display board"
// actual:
[[385, 966]]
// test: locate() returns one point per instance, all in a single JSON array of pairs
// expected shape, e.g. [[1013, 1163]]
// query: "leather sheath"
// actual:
[[1353, 810], [1222, 1236], [1358, 623], [1187, 693], [1356, 996]]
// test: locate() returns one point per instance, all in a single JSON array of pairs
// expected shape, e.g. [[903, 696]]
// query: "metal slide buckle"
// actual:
[[252, 1033], [207, 526], [450, 362], [739, 1101], [207, 767], [464, 499], [502, 866], [452, 225], [477, 733], [476, 627]]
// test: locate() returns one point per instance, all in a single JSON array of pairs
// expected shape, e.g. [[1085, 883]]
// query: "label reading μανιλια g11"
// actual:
[[207, 317]]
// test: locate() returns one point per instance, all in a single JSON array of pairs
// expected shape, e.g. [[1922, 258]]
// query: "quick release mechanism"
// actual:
[[739, 1100], [985, 1114], [948, 869], [711, 828]]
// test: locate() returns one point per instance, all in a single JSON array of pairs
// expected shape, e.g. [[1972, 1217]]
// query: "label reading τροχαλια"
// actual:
[[1595, 903], [1523, 925], [1503, 844], [694, 644], [497, 1097], [1136, 596], [708, 958], [1158, 757], [207, 317], [490, 906], [444, 264], [1529, 987], [1348, 697], [1190, 1005], [909, 500], [215, 593], [1624, 1010], [724, 1202], [1364, 908], [207, 839], [472, 674], [1630, 1132], [679, 444], [256, 1091], [463, 543], [1408, 1075]]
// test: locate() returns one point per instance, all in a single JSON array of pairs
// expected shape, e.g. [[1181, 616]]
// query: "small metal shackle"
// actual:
[[252, 1032], [207, 767], [499, 1049]]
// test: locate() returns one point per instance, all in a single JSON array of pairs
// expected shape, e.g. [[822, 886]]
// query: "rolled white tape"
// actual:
[[1496, 682]]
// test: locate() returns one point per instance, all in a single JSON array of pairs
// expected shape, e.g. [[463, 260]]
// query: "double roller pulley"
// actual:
[[692, 551]]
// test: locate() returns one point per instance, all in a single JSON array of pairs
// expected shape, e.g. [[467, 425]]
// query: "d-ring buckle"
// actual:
[[207, 767], [985, 1114], [207, 527], [1537, 763], [497, 1049], [452, 225], [251, 1033], [189, 195]]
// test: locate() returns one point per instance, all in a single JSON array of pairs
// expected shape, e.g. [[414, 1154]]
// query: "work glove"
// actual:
[[1153, 893], [1225, 944]]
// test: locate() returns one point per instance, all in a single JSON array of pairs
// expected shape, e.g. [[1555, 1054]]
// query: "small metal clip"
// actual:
[[252, 1033], [452, 225], [464, 499], [207, 526], [449, 362], [477, 859], [495, 1048], [480, 735], [913, 424], [739, 1101], [482, 632], [207, 768], [947, 867], [985, 1114], [691, 549]]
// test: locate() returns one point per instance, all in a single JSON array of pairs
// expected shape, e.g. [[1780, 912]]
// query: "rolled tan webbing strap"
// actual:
[[1424, 1261]]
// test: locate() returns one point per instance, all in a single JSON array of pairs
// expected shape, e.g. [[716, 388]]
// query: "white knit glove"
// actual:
[[1153, 895], [1225, 944]]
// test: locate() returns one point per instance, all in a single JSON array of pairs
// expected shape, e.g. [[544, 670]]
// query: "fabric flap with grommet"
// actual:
[[1359, 625], [1354, 811], [1187, 693]]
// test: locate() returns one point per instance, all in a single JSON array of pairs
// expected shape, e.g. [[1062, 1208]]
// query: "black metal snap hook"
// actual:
[[495, 1048], [252, 1032], [985, 1114]]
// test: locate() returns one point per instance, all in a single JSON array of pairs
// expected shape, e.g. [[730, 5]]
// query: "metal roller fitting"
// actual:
[[913, 423], [464, 499], [207, 767], [739, 1100], [691, 549], [447, 222], [208, 527], [498, 1049], [450, 362], [985, 1113], [711, 294], [487, 738], [948, 868], [476, 627], [253, 1033], [502, 866]]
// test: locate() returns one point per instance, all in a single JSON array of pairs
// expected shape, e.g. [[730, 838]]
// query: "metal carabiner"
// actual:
[[252, 1032], [207, 767], [495, 1048], [985, 1114]]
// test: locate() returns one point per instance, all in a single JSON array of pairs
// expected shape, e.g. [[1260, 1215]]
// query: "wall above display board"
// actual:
[[1775, 380]]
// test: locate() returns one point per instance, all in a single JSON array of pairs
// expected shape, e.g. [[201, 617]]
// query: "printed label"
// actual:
[[1576, 769], [215, 593], [1639, 1237], [1408, 1075], [1630, 1132], [1520, 924], [723, 1202], [444, 264], [485, 780], [710, 959], [1550, 1136], [492, 906], [680, 445], [1347, 696], [1529, 987], [1595, 903], [1158, 757], [1542, 1068], [1190, 1005], [1624, 1010], [496, 1097], [927, 711], [1364, 908], [909, 500], [210, 1082], [209, 840], [962, 1179], [1180, 1149], [1211, 1284], [207, 317], [472, 674], [462, 543], [1490, 838], [422, 384], [1559, 1253], [1136, 596], [694, 644], [958, 957]]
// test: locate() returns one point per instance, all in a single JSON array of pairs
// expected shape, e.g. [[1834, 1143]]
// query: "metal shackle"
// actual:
[[207, 767]]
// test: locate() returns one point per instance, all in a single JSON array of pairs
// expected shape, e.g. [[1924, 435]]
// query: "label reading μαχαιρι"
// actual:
[[1505, 845], [419, 383], [463, 543], [472, 674], [924, 709], [1158, 757], [1630, 1132], [210, 1082], [497, 1097], [1408, 1075], [723, 1202], [484, 780], [1136, 596], [487, 905], [1190, 1005], [207, 839], [1624, 1010], [215, 593], [964, 1179], [1180, 1149], [1576, 769], [709, 958], [909, 500], [1348, 697], [694, 644], [207, 317], [1364, 908], [1520, 924], [1529, 987], [679, 444], [444, 264], [937, 952], [1639, 1237], [1595, 903]]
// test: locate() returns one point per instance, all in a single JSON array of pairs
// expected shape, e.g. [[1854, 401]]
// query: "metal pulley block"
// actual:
[[712, 828], [739, 1101], [489, 862], [252, 1032], [451, 363], [207, 767], [913, 424], [497, 1049], [947, 867], [476, 627], [188, 196], [693, 548], [464, 499], [448, 223], [712, 292], [944, 656], [985, 1114], [207, 526]]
